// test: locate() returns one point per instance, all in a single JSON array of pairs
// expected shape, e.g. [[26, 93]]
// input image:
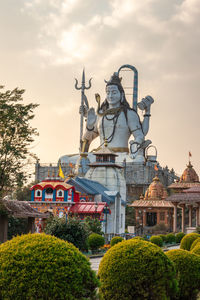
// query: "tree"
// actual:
[[16, 135], [93, 225], [72, 231]]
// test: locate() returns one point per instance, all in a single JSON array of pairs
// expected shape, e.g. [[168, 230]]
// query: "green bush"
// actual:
[[196, 249], [187, 240], [179, 237], [40, 266], [72, 231], [157, 240], [187, 267], [136, 269], [115, 240], [170, 238], [93, 225], [195, 243], [95, 241], [163, 237]]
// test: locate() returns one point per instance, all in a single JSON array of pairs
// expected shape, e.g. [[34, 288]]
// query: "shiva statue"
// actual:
[[115, 122]]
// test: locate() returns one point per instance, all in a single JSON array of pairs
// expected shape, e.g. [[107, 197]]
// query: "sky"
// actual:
[[45, 44]]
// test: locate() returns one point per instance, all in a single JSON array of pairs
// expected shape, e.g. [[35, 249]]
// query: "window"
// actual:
[[49, 191], [60, 193], [38, 193]]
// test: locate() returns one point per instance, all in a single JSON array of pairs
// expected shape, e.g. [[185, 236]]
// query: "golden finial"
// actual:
[[106, 143]]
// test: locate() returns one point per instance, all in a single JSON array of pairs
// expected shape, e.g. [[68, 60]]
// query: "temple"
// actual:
[[153, 209], [186, 196]]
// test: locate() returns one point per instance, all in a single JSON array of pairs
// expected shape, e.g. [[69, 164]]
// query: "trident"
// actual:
[[83, 100]]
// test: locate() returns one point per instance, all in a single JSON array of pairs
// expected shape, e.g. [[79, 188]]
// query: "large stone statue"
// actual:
[[115, 122]]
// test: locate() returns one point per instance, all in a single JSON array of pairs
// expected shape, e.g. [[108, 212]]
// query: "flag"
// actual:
[[155, 168], [71, 165], [190, 154], [60, 173]]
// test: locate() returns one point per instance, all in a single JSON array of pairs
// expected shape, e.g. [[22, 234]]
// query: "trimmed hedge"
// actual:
[[195, 243], [157, 240], [196, 249], [187, 240], [163, 237], [40, 266], [95, 241], [115, 240], [179, 237], [170, 238], [136, 269], [187, 267]]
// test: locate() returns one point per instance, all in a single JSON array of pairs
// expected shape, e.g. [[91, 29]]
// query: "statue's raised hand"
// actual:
[[91, 118]]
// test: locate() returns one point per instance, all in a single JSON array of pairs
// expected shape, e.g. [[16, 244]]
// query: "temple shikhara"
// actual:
[[122, 171]]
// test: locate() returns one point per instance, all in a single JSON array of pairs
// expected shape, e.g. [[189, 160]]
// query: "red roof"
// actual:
[[89, 208]]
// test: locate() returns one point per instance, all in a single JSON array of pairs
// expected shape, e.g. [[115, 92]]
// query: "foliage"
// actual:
[[179, 237], [115, 240], [72, 231], [16, 226], [3, 210], [16, 135], [198, 229], [195, 243], [136, 269], [160, 228], [170, 238], [95, 241], [23, 193], [187, 240], [163, 237], [93, 225], [157, 240], [196, 249], [187, 267], [38, 266]]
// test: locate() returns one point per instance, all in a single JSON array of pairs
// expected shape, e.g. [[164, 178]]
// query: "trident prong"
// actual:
[[83, 87]]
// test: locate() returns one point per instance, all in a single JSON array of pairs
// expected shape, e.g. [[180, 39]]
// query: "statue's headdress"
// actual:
[[115, 80]]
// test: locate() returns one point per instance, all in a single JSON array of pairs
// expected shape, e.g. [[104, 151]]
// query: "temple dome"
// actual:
[[156, 190], [189, 174]]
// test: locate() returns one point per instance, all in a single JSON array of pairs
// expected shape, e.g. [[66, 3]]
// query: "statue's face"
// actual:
[[113, 95]]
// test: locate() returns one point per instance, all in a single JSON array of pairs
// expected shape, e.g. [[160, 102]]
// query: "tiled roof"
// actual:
[[152, 203], [90, 187], [183, 185]]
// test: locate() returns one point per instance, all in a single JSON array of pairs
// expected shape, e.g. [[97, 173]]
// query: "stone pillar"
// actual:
[[158, 216], [166, 212], [190, 215], [197, 215], [183, 217], [144, 218], [3, 229], [31, 224], [175, 217]]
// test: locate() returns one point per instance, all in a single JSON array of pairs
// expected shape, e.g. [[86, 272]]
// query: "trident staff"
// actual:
[[84, 102]]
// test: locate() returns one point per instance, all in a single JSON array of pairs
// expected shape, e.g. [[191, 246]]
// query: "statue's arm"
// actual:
[[91, 131], [135, 126]]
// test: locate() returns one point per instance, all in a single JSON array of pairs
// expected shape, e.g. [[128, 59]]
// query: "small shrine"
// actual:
[[186, 195], [58, 197], [153, 209]]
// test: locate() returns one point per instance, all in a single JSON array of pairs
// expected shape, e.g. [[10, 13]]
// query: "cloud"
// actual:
[[46, 43]]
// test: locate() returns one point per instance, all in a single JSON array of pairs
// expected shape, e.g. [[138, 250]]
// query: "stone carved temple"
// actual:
[[153, 209], [186, 196]]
